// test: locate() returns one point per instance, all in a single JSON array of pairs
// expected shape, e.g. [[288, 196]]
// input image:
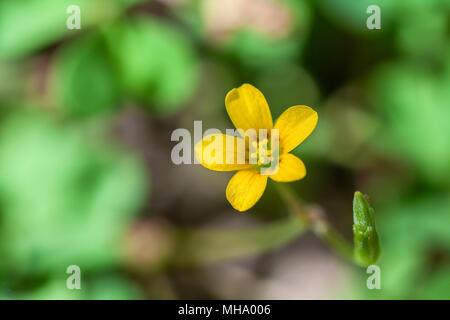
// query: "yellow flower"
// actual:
[[248, 109]]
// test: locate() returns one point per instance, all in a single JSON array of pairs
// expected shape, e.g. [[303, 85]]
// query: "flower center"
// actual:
[[262, 153]]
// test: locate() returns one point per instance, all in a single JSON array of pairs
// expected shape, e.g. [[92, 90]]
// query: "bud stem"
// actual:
[[316, 222]]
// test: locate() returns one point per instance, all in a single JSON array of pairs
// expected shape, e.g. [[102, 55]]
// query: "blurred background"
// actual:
[[86, 176]]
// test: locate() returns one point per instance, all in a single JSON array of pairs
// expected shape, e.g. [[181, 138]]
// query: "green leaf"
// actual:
[[258, 48], [413, 101], [156, 62], [84, 82], [113, 287], [28, 25], [352, 15], [437, 288], [427, 39], [98, 287], [65, 198], [410, 231]]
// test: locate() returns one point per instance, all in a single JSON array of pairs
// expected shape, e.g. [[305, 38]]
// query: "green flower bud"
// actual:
[[366, 245]]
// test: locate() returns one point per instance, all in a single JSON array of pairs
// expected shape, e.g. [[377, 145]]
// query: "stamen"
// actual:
[[263, 153]]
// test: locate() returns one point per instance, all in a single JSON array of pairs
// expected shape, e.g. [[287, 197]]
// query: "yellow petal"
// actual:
[[221, 152], [295, 125], [248, 109], [290, 169], [245, 188]]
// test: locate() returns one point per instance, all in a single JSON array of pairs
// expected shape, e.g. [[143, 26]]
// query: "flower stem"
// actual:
[[316, 221]]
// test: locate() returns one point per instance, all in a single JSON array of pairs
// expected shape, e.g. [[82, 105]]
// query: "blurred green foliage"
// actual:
[[84, 82], [142, 60], [110, 287], [414, 236], [228, 244], [260, 51], [416, 119], [156, 63], [29, 25], [63, 200]]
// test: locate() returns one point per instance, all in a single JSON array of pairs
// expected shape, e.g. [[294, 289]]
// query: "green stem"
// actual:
[[316, 222]]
